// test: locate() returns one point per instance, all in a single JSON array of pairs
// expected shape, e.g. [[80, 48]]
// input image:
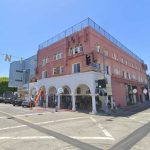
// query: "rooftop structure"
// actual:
[[88, 23]]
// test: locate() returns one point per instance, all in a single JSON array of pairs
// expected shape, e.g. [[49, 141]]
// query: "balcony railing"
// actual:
[[85, 23]]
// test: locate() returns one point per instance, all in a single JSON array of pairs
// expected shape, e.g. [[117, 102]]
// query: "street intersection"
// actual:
[[26, 129]]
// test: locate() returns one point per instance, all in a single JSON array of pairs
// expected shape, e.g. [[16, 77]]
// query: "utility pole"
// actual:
[[105, 101]]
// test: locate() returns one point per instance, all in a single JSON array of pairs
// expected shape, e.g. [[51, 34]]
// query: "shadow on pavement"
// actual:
[[128, 110]]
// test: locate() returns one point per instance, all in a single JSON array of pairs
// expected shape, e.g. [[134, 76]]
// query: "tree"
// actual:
[[4, 85]]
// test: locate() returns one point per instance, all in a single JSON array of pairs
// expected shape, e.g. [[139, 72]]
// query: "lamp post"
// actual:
[[104, 71]]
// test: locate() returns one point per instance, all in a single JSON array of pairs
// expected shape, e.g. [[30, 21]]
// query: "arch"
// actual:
[[83, 98], [67, 89], [33, 92], [82, 89], [52, 90]]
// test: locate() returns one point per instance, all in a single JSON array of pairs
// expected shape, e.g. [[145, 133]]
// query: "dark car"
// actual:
[[17, 102], [27, 103], [8, 100], [1, 99]]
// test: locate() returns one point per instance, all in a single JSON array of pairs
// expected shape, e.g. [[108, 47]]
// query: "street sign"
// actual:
[[134, 91], [60, 90], [145, 91]]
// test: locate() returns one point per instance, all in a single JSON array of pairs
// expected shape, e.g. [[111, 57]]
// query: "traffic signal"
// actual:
[[102, 83], [88, 59]]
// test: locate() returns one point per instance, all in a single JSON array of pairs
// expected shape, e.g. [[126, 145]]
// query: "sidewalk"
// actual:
[[132, 109], [42, 109]]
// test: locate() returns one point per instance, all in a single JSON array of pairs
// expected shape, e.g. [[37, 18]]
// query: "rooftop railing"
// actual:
[[85, 23]]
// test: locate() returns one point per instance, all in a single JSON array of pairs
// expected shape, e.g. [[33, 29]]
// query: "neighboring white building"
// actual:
[[85, 81]]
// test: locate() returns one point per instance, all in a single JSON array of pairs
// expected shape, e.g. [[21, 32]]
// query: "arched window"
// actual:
[[78, 90]]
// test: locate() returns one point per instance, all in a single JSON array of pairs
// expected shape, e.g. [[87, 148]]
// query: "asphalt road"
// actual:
[[25, 129], [132, 139], [74, 142]]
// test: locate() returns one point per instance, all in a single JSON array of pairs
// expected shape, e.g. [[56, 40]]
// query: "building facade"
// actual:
[[76, 59], [21, 73]]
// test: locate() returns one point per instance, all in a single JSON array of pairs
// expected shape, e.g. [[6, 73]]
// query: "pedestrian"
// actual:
[[56, 107], [114, 106], [109, 107]]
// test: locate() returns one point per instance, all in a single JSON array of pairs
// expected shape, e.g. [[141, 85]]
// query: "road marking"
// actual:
[[94, 120], [92, 138], [14, 127], [104, 131], [27, 137], [51, 137], [40, 123], [143, 122], [3, 117], [68, 119], [107, 134]]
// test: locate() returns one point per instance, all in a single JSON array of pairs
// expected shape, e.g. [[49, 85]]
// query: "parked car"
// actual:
[[27, 103], [8, 100], [1, 99], [17, 102]]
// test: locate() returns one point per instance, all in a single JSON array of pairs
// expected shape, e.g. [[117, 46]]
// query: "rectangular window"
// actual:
[[58, 55], [122, 60], [20, 71], [76, 68], [44, 74], [17, 80], [105, 53], [123, 73], [58, 70], [107, 70], [97, 48], [76, 50], [44, 61]]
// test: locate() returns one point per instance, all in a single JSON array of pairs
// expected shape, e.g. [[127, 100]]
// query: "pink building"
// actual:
[[76, 58]]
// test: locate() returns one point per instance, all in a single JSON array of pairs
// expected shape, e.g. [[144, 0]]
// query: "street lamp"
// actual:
[[104, 74]]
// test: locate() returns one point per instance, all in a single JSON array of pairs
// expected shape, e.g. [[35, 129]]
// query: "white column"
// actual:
[[73, 103], [93, 104], [58, 103], [143, 97], [134, 98], [46, 100]]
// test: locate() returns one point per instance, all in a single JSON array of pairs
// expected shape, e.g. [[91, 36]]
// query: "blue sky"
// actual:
[[24, 24]]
